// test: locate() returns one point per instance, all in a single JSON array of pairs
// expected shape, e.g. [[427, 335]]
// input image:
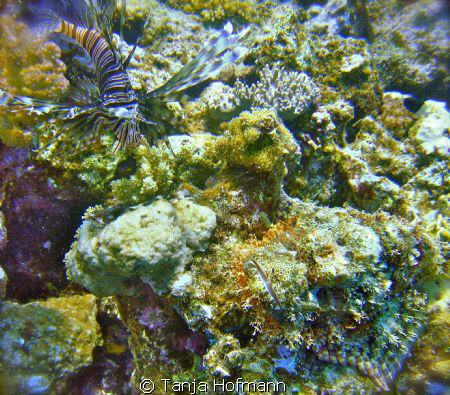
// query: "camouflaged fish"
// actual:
[[116, 107]]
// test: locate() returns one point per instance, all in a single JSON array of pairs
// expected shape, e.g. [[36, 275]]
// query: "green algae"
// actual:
[[43, 343]]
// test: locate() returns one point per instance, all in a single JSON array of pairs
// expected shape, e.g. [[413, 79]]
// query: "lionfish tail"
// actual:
[[220, 52]]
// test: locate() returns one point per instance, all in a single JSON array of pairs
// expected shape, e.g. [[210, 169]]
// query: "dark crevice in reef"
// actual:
[[40, 220]]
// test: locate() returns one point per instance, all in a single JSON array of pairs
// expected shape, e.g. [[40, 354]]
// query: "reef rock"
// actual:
[[42, 342], [324, 287], [3, 282], [152, 242], [431, 129], [39, 219]]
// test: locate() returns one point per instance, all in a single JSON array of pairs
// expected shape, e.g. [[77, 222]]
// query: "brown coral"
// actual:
[[216, 10], [29, 66]]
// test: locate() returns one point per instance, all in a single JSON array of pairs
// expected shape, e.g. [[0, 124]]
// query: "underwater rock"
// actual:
[[162, 344], [3, 232], [256, 141], [247, 190], [431, 365], [282, 39], [111, 368], [42, 343], [330, 285], [150, 242], [217, 10], [431, 130], [378, 163], [197, 223], [411, 46], [3, 283], [39, 218]]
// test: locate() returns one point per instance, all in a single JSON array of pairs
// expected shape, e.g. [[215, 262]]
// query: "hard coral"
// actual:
[[256, 141], [335, 284], [29, 66], [289, 93], [217, 10], [152, 242]]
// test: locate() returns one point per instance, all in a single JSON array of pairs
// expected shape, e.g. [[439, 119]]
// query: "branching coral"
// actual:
[[290, 93]]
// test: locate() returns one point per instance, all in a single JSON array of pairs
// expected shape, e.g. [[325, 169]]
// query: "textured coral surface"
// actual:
[[292, 229]]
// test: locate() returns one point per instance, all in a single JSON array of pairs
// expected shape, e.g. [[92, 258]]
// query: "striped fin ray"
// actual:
[[382, 374], [220, 52], [32, 106]]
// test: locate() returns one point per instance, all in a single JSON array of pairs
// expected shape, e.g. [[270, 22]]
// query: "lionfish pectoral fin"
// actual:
[[218, 53], [30, 105], [83, 92]]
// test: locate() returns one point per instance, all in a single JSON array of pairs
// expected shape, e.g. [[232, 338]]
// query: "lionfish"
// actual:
[[114, 105]]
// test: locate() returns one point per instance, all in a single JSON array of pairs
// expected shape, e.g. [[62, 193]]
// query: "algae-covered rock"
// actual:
[[326, 285], [3, 283], [431, 130], [411, 45], [151, 242], [257, 141], [197, 223], [31, 66], [43, 342], [3, 231]]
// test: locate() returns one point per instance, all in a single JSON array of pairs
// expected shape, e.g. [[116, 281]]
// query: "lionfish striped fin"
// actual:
[[218, 53], [382, 374], [32, 106]]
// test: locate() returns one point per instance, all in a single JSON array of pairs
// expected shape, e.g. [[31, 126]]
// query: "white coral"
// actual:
[[288, 92]]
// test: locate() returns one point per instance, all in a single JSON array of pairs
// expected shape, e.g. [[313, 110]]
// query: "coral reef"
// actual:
[[256, 141], [297, 235], [411, 46], [288, 93], [39, 219], [153, 243], [163, 346], [430, 131], [282, 39], [42, 342], [430, 368], [388, 165], [345, 282], [3, 283], [29, 66], [214, 10]]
